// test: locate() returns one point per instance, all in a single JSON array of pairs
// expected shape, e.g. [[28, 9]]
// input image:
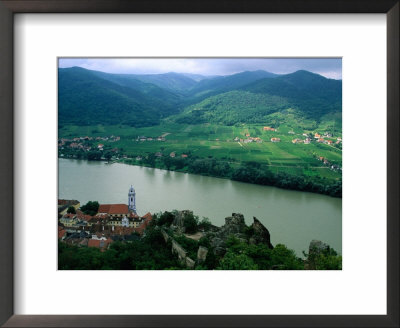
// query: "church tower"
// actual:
[[132, 200]]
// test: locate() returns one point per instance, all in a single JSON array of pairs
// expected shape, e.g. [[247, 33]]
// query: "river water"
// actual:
[[293, 218]]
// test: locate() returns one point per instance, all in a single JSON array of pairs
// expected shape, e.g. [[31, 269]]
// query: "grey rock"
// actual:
[[260, 234], [233, 224], [202, 254], [189, 263]]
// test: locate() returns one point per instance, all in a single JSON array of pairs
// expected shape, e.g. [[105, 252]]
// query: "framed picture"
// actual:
[[56, 73]]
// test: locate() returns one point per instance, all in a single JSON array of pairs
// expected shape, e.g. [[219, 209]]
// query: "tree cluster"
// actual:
[[90, 208]]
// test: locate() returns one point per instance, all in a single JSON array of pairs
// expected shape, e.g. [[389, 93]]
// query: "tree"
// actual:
[[166, 218], [71, 210], [90, 208], [285, 258], [94, 155], [150, 159], [108, 156], [168, 162]]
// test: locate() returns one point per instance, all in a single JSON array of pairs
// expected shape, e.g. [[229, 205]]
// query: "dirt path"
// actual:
[[196, 236]]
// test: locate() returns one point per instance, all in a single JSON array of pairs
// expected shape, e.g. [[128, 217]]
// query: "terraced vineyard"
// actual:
[[217, 141]]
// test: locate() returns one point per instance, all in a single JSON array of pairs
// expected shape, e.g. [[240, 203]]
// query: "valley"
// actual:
[[256, 127]]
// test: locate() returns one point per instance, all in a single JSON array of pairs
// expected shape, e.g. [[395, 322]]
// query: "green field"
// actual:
[[217, 141]]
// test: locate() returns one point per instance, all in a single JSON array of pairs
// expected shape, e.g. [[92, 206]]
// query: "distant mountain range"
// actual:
[[89, 97]]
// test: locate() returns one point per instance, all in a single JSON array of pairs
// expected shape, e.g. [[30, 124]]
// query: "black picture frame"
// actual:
[[10, 7]]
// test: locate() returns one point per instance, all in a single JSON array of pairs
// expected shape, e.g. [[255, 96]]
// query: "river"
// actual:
[[293, 218]]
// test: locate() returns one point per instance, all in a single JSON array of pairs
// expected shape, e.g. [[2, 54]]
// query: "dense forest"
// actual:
[[90, 97]]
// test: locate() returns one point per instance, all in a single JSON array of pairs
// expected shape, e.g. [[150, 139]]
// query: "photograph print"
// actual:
[[199, 164]]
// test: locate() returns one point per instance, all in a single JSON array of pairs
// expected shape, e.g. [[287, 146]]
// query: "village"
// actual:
[[325, 138], [110, 149], [109, 223]]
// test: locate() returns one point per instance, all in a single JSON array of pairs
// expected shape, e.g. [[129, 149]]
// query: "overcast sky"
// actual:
[[328, 67]]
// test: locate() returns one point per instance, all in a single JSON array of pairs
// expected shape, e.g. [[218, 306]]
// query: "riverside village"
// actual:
[[176, 240]]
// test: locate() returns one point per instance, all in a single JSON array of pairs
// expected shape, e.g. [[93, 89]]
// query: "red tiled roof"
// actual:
[[103, 244], [104, 208], [84, 217], [113, 209], [94, 243], [148, 216]]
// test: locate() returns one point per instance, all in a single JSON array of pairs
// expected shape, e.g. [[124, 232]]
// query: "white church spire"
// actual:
[[132, 199]]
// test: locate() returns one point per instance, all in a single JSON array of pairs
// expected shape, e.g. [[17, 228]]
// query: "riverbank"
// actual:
[[249, 172]]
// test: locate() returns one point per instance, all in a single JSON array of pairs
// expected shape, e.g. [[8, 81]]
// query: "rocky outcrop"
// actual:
[[259, 234], [202, 254], [235, 226], [179, 221], [217, 244]]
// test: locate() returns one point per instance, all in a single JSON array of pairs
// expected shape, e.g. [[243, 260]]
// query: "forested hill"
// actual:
[[90, 97], [219, 84], [311, 93], [308, 95]]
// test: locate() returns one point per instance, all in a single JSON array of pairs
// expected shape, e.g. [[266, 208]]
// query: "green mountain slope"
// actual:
[[233, 107], [131, 81], [304, 94], [220, 84], [311, 93], [86, 98], [92, 97]]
